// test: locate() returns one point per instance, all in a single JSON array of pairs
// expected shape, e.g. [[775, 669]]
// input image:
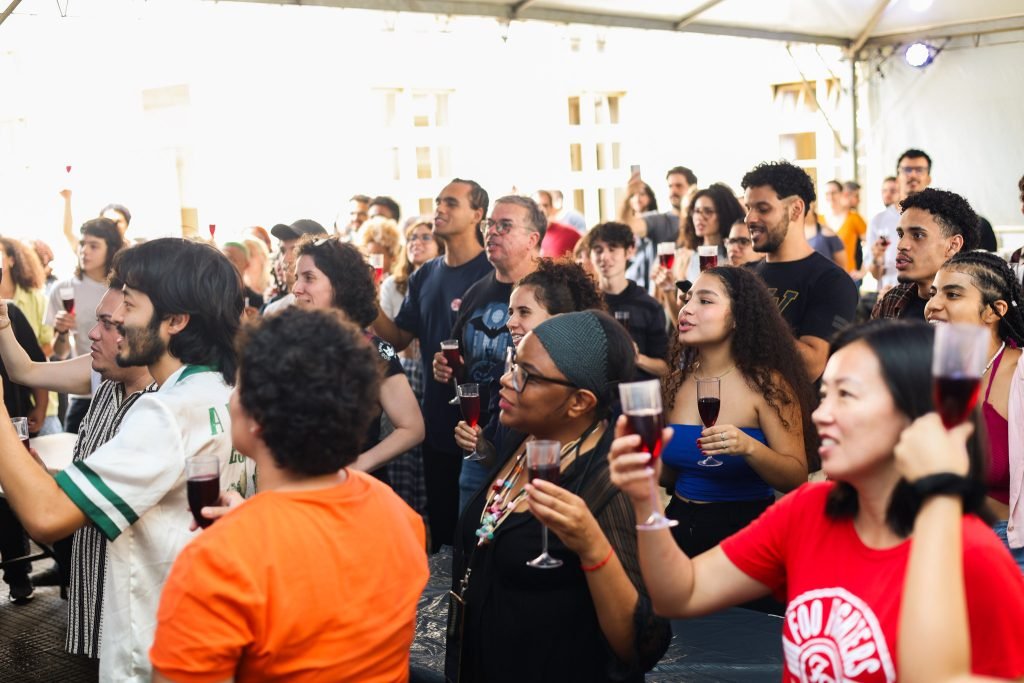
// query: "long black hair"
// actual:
[[904, 353], [996, 282], [185, 277]]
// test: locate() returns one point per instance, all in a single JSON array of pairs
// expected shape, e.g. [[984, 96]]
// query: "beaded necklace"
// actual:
[[498, 506]]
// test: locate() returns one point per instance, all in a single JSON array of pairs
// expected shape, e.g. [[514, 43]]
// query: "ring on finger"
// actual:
[[723, 437]]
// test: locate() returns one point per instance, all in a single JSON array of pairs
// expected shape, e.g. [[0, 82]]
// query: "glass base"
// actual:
[[657, 521], [709, 462], [472, 456], [544, 561]]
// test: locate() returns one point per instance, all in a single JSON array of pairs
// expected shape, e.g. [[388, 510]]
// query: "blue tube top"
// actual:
[[735, 480]]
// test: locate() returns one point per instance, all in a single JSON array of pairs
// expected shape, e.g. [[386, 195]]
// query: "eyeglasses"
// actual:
[[502, 227], [911, 170], [738, 242], [520, 376], [703, 211], [425, 237]]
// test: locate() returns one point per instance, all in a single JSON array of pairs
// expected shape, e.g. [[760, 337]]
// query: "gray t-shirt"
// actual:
[[88, 293]]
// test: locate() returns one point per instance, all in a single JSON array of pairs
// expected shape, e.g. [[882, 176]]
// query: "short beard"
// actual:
[[143, 346], [905, 280]]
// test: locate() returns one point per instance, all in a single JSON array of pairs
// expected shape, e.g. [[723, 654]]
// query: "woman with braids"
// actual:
[[838, 551], [729, 328], [554, 287], [978, 288]]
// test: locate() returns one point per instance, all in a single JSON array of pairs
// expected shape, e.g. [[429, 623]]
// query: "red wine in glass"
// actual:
[[648, 423], [667, 260], [470, 406], [708, 262], [69, 304], [548, 472], [955, 398], [68, 168], [454, 360], [708, 409], [213, 230], [203, 492]]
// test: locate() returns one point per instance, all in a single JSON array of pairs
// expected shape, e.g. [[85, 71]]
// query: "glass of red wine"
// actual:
[[21, 428], [450, 351], [958, 362], [213, 230], [469, 404], [67, 298], [544, 461], [708, 254], [203, 482], [709, 402], [623, 318], [377, 263], [641, 404], [667, 254]]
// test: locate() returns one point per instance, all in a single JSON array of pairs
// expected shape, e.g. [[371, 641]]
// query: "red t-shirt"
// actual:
[[843, 598], [559, 241], [299, 586]]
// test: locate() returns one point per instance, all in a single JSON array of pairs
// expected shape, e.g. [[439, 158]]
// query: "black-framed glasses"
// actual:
[[502, 227], [520, 375], [910, 170]]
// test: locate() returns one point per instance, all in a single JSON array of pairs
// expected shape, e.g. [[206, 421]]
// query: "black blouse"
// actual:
[[526, 624]]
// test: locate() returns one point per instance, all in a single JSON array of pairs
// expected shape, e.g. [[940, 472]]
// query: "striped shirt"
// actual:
[[89, 546]]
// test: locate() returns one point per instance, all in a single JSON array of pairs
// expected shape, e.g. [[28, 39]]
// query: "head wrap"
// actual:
[[578, 345]]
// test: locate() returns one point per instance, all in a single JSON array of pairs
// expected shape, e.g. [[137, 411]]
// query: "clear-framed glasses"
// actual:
[[425, 237], [520, 376], [502, 227], [738, 242]]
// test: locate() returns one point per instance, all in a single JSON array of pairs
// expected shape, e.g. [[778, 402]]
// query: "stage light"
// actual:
[[920, 55]]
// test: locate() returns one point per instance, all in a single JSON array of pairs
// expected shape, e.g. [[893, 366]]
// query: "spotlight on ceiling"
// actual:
[[920, 55]]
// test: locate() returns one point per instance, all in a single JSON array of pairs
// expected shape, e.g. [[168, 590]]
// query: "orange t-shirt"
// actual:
[[301, 586], [850, 232]]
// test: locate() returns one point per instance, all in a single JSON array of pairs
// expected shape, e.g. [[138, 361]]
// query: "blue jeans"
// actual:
[[471, 479], [1016, 553]]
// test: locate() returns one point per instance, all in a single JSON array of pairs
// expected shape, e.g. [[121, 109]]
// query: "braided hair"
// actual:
[[994, 279]]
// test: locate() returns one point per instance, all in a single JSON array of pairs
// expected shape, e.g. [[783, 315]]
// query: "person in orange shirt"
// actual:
[[317, 576], [846, 222]]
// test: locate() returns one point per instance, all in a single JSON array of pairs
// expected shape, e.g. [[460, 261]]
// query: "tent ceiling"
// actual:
[[830, 22]]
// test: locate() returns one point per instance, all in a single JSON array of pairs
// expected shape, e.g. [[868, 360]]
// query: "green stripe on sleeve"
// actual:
[[90, 509], [107, 492]]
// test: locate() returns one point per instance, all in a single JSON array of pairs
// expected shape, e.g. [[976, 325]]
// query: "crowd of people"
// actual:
[[327, 374]]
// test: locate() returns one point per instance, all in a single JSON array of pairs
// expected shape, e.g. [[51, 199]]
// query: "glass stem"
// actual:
[[544, 539], [655, 512]]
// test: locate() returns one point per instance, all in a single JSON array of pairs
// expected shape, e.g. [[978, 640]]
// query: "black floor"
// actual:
[[737, 646]]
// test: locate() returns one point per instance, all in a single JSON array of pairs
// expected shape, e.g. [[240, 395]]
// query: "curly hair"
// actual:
[[403, 268], [562, 286], [613, 234], [27, 271], [994, 279], [786, 179], [727, 209], [351, 277], [762, 348], [106, 230], [951, 211], [311, 381], [904, 353], [380, 231]]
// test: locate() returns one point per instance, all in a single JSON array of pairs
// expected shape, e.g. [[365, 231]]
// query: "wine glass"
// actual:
[[623, 318], [450, 351], [708, 254], [21, 429], [67, 298], [203, 484], [377, 263], [641, 403], [958, 362], [883, 237], [213, 230], [667, 254], [469, 404], [544, 461], [709, 402]]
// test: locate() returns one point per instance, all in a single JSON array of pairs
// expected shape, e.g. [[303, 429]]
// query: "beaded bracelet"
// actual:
[[595, 567]]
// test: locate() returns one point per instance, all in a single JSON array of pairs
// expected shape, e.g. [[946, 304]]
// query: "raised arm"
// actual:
[[68, 225], [386, 329], [67, 377]]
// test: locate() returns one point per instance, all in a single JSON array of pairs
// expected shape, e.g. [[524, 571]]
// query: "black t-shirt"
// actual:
[[647, 323], [815, 296], [18, 398], [914, 308], [391, 366], [432, 303]]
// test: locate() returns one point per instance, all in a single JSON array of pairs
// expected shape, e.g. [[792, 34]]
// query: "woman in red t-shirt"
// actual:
[[836, 552]]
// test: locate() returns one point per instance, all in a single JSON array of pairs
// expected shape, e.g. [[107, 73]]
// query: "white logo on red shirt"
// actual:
[[830, 635]]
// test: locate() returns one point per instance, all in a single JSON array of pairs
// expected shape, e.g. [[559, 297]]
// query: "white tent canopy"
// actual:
[[846, 23]]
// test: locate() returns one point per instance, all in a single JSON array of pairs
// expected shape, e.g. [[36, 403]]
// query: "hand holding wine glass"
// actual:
[[202, 473], [469, 404], [641, 404], [958, 362], [926, 447], [568, 516], [67, 298], [451, 358], [544, 461], [709, 403]]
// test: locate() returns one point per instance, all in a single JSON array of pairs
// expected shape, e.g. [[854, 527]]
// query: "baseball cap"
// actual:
[[303, 226]]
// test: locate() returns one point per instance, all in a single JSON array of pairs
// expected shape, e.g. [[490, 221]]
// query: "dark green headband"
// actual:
[[578, 345]]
